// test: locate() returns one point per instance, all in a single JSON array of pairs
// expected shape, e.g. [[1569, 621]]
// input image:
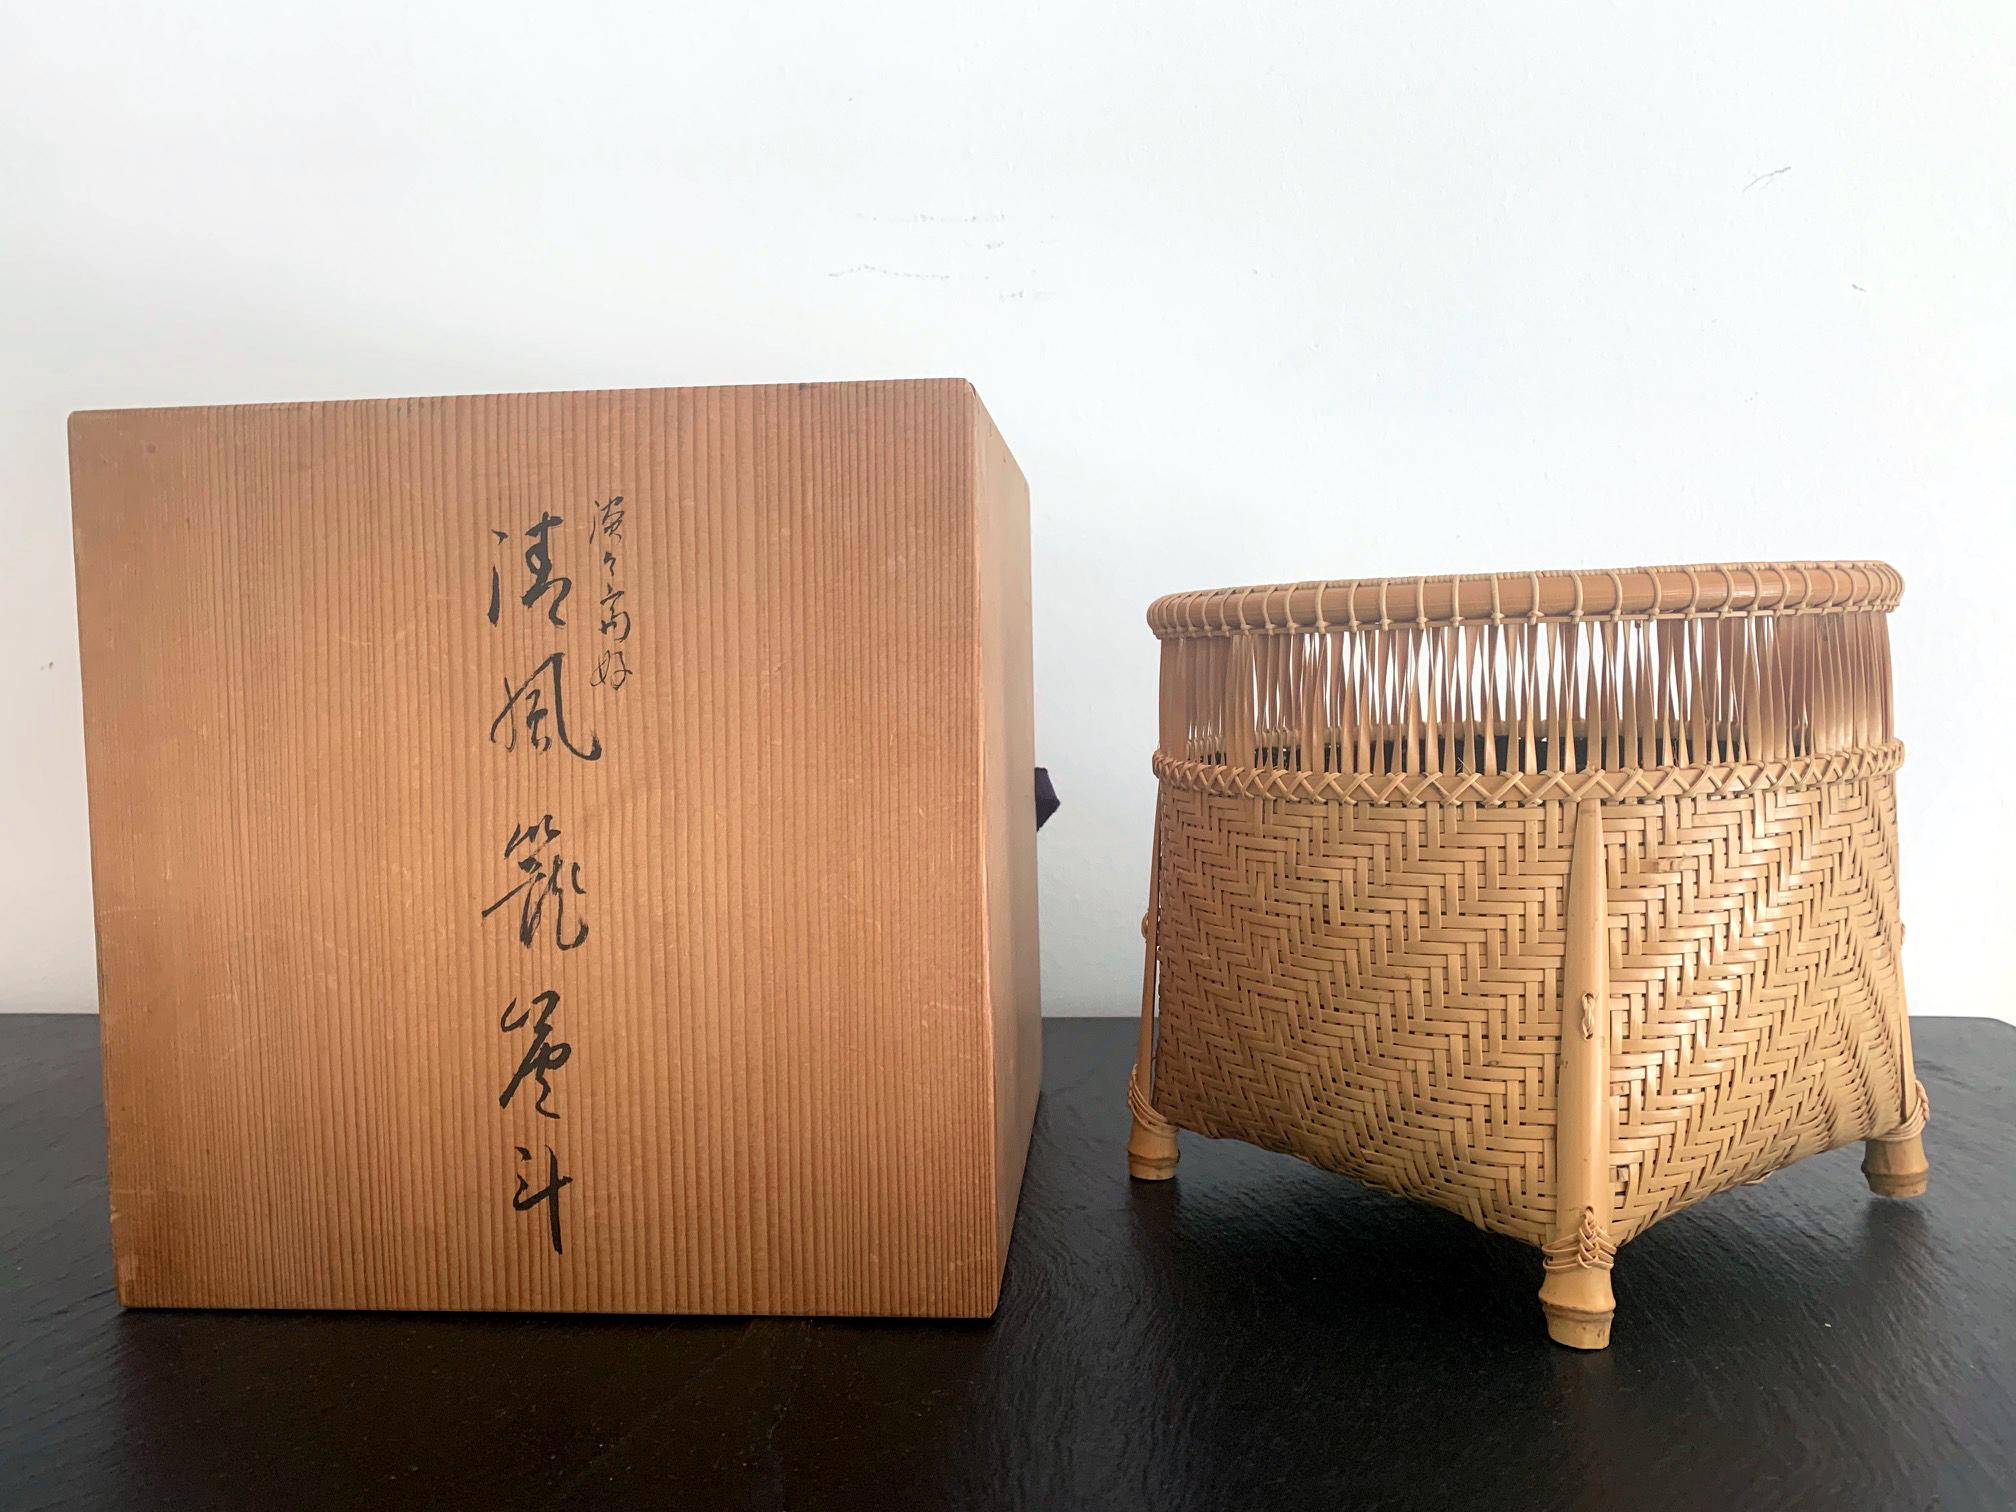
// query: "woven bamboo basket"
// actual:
[[1560, 900]]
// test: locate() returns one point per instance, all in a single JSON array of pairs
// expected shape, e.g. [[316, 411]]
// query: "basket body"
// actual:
[[1363, 940], [1376, 988]]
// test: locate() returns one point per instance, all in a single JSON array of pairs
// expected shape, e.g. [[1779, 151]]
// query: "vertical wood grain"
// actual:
[[781, 1094]]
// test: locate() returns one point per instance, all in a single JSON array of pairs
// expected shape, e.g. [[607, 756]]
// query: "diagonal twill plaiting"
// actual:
[[1377, 989]]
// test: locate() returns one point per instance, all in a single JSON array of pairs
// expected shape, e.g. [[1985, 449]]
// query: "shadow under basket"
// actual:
[[1560, 900]]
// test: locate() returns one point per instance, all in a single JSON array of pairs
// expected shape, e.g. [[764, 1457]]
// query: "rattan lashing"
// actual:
[[1562, 900]]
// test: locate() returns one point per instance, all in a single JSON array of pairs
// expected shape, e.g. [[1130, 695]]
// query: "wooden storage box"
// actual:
[[562, 851]]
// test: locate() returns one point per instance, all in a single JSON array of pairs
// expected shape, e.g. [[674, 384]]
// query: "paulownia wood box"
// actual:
[[563, 851]]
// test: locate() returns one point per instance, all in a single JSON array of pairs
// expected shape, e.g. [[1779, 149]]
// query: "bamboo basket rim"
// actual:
[[1691, 591]]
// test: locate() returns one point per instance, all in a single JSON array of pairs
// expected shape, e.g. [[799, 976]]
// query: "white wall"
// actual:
[[1255, 291]]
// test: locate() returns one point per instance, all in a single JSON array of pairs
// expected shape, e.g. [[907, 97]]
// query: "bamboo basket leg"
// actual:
[[1575, 1289], [1151, 1144], [1894, 1165]]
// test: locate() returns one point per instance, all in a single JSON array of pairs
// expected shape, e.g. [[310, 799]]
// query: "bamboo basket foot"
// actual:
[[1896, 1167], [1152, 1153], [1151, 1147], [1577, 1328]]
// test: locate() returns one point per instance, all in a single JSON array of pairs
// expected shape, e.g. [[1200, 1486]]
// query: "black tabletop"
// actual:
[[1256, 1333]]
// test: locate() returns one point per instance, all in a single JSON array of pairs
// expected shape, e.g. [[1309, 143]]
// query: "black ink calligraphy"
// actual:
[[496, 597], [612, 670], [537, 706], [526, 1199], [547, 878], [542, 1057], [612, 666], [539, 563], [615, 620], [607, 523], [548, 889], [532, 704], [538, 559]]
